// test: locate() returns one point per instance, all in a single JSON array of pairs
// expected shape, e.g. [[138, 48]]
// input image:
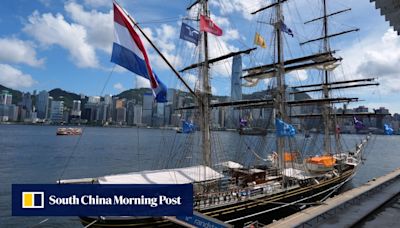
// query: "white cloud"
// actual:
[[238, 6], [164, 38], [142, 82], [18, 51], [378, 58], [300, 75], [99, 26], [97, 3], [118, 86], [14, 78], [51, 29]]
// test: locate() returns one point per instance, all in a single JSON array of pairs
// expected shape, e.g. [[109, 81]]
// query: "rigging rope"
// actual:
[[83, 129]]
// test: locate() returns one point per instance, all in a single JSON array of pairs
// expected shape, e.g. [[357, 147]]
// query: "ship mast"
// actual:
[[204, 100], [280, 77], [326, 107]]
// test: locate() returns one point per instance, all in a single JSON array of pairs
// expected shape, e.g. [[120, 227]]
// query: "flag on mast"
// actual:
[[284, 28], [130, 53], [284, 129], [259, 40], [189, 33], [207, 25]]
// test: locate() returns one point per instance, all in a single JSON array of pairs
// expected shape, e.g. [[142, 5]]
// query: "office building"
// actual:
[[42, 104], [57, 111], [5, 97]]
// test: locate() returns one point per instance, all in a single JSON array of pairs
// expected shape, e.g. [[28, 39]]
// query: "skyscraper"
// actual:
[[5, 97], [147, 108], [236, 90], [42, 104], [137, 116], [57, 111], [76, 108]]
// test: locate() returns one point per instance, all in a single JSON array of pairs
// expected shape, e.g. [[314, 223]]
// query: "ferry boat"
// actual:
[[69, 131]]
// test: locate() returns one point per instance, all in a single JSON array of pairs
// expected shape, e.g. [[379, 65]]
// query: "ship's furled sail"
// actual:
[[130, 53]]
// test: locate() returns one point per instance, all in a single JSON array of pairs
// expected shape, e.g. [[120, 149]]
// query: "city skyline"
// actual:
[[74, 54]]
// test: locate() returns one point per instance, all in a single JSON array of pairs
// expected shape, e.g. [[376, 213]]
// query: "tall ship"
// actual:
[[293, 171]]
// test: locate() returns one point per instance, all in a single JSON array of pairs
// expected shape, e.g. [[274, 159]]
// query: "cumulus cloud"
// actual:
[[98, 25], [18, 51], [300, 75], [49, 29], [238, 6], [164, 38], [118, 86], [379, 58], [142, 82], [14, 78]]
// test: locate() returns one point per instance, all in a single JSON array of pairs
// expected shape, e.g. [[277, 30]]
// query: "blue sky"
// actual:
[[47, 44]]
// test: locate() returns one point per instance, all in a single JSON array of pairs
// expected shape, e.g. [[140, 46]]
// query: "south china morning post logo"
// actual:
[[33, 200], [102, 200]]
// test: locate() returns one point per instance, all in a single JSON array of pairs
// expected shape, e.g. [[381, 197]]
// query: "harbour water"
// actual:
[[34, 154]]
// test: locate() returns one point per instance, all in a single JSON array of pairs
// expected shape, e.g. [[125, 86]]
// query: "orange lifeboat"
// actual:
[[320, 163], [290, 156]]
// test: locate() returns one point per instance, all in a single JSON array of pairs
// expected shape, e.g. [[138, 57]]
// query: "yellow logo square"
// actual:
[[32, 199]]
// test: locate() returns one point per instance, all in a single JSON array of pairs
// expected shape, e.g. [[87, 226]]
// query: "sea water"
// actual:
[[34, 154]]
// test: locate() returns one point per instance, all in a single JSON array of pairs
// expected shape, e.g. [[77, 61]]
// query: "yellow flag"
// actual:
[[259, 40]]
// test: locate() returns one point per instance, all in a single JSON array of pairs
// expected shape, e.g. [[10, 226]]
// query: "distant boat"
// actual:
[[252, 131], [247, 130], [69, 131]]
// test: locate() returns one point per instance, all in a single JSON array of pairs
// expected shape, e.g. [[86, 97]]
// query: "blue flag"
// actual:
[[388, 130], [189, 33], [284, 28], [284, 129], [188, 127]]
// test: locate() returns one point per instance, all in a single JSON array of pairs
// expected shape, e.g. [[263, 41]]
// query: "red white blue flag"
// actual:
[[130, 53]]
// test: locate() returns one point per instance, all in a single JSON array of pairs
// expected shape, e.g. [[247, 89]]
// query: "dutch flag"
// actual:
[[130, 53]]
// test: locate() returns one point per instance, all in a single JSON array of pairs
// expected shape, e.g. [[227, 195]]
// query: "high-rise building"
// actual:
[[27, 101], [101, 113], [236, 90], [108, 99], [137, 116], [120, 103], [94, 100], [57, 111], [49, 106], [121, 115], [76, 108], [130, 112], [42, 104], [5, 97], [147, 109]]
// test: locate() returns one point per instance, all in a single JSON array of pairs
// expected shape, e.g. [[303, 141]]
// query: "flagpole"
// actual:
[[163, 57]]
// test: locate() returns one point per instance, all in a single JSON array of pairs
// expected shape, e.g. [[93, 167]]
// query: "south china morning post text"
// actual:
[[116, 200], [102, 200]]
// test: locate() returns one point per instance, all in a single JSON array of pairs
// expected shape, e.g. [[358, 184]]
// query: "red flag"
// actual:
[[207, 25]]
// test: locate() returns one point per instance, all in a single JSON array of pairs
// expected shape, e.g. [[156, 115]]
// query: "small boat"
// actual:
[[69, 131], [252, 131], [323, 163]]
